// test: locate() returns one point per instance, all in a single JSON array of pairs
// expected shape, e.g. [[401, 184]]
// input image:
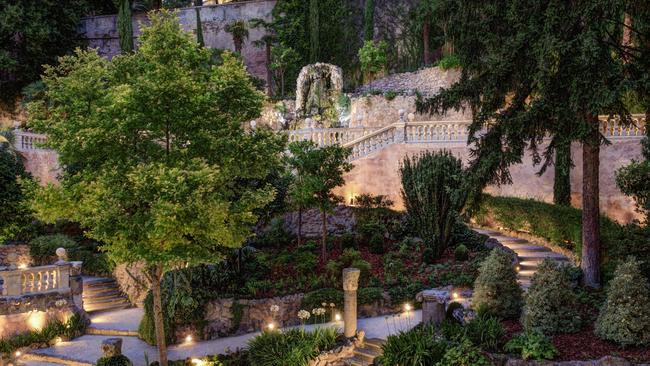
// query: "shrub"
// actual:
[[461, 253], [348, 241], [449, 62], [625, 317], [431, 181], [305, 262], [390, 95], [405, 292], [119, 360], [462, 234], [464, 354], [291, 347], [551, 305], [376, 244], [43, 248], [428, 256], [316, 299], [532, 345], [373, 58], [74, 327], [633, 180], [496, 288], [274, 236], [420, 346], [369, 295], [485, 331], [349, 258]]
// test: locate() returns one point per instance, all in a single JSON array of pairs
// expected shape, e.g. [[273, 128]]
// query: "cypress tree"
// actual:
[[314, 35], [125, 26], [369, 20], [199, 26]]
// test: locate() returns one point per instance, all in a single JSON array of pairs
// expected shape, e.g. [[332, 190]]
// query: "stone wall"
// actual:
[[22, 251], [33, 312], [42, 165], [342, 220], [101, 32], [378, 174]]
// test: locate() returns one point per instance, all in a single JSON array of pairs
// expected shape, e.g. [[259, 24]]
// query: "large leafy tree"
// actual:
[[34, 33], [15, 216], [156, 159], [301, 160], [533, 69]]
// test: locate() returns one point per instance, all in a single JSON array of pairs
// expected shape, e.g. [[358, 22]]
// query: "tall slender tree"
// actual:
[[369, 20], [532, 69], [314, 31], [125, 25]]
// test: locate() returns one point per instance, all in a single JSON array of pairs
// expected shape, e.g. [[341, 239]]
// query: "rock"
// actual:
[[111, 347]]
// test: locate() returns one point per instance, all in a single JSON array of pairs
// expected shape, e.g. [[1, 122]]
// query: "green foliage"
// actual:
[[74, 327], [119, 360], [316, 299], [290, 347], [15, 216], [464, 354], [434, 192], [551, 305], [377, 244], [496, 288], [33, 33], [372, 57], [485, 331], [462, 234], [405, 292], [633, 180], [369, 295], [348, 241], [349, 258], [369, 20], [239, 32], [448, 62], [429, 256], [390, 95], [274, 236], [461, 253], [532, 345], [283, 58], [562, 177], [43, 248], [625, 317], [420, 346], [125, 25]]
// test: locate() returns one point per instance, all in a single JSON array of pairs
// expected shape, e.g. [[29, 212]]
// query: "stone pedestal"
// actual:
[[434, 305], [350, 286], [111, 347]]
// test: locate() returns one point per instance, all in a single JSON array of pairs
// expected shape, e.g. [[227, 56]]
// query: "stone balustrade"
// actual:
[[28, 141], [328, 136]]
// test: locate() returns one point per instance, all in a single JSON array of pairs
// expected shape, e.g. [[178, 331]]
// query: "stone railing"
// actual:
[[328, 136], [20, 279], [613, 128], [373, 142], [28, 141]]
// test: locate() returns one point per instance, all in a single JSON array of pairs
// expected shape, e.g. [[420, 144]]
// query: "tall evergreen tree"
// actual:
[[125, 26], [369, 20], [532, 69], [314, 30]]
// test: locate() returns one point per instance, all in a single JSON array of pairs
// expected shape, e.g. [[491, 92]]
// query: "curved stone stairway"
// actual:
[[103, 294], [530, 255], [366, 355]]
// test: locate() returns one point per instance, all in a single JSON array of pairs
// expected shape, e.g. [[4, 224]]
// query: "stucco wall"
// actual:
[[101, 32], [378, 174], [42, 164]]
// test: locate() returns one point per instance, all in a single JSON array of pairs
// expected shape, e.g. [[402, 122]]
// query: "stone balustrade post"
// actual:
[[12, 283], [76, 284], [350, 287], [434, 305]]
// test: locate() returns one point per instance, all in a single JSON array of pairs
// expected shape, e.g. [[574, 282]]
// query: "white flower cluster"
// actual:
[[60, 303], [303, 315], [275, 308], [318, 312]]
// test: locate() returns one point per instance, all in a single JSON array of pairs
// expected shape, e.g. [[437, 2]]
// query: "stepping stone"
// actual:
[[541, 255], [526, 273], [510, 240], [527, 248]]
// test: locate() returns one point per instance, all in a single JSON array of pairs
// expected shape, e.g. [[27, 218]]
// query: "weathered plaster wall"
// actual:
[[101, 32], [378, 174], [42, 165]]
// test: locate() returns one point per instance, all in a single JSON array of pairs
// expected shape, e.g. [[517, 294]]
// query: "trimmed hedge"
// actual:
[[496, 289]]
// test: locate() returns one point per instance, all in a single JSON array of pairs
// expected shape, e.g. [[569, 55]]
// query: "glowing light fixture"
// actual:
[[407, 307], [189, 338], [455, 295], [22, 266], [18, 353], [271, 326], [337, 317]]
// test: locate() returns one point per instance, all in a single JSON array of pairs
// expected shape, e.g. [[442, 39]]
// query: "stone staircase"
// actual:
[[103, 294], [366, 355], [530, 255]]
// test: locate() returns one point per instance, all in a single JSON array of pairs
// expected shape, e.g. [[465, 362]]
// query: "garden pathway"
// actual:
[[85, 350], [530, 254]]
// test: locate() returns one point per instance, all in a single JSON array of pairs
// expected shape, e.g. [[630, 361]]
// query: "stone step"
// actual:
[[527, 248], [374, 343], [108, 293], [106, 301], [99, 308], [487, 232], [526, 273], [541, 256], [509, 239], [53, 359], [354, 361], [100, 282], [365, 354], [111, 332]]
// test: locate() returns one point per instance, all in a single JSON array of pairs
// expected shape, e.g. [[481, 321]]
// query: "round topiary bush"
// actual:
[[550, 305], [376, 244], [461, 253], [428, 256], [119, 360], [625, 317], [496, 289]]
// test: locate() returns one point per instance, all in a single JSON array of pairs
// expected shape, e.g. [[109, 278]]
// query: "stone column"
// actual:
[[350, 286], [76, 284], [111, 347], [434, 303]]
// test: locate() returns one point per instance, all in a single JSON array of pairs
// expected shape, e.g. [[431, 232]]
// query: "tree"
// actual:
[[239, 31], [33, 33], [125, 25], [302, 161], [562, 177], [314, 29], [154, 152], [283, 58], [534, 69], [369, 20], [199, 26], [317, 172], [15, 216], [373, 58]]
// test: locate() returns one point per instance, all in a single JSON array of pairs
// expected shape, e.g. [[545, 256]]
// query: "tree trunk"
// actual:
[[426, 32], [562, 180], [156, 277], [269, 75], [299, 226], [324, 233], [626, 41], [590, 207], [238, 45]]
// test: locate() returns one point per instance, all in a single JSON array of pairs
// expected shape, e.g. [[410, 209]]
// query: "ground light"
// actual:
[[189, 338], [337, 317], [18, 353], [271, 326], [407, 307], [455, 295]]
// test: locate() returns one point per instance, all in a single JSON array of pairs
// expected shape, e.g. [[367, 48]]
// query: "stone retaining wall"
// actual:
[[22, 251], [33, 312]]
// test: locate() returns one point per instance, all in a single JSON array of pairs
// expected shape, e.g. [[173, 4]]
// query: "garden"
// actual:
[[227, 227]]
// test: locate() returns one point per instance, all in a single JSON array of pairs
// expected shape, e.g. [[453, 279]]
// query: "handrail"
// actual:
[[35, 280]]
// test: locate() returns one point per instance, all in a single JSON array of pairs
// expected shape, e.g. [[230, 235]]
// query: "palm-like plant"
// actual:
[[239, 32]]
